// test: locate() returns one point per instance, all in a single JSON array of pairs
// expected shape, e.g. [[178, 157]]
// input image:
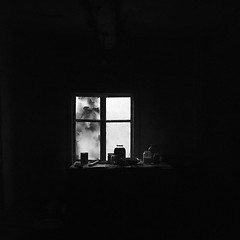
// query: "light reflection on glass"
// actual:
[[88, 108], [88, 139]]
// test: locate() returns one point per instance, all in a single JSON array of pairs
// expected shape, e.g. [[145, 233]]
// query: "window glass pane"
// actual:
[[118, 133], [118, 108], [88, 139], [88, 108]]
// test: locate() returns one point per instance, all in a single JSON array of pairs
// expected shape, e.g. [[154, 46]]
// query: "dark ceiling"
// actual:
[[129, 17], [159, 30]]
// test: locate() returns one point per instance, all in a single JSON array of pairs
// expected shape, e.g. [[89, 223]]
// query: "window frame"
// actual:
[[103, 122]]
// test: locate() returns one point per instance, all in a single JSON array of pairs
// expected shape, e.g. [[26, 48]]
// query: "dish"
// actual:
[[131, 161], [126, 161]]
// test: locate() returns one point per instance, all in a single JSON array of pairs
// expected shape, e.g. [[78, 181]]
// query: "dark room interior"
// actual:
[[180, 60]]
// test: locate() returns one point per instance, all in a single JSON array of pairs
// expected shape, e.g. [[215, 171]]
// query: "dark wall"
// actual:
[[172, 79]]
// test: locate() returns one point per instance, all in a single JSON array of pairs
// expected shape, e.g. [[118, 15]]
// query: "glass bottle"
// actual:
[[147, 157], [120, 151], [153, 149]]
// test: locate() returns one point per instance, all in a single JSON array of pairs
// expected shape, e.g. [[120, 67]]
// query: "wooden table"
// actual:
[[107, 195]]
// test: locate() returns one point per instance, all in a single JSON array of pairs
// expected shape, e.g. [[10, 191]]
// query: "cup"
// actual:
[[84, 158], [110, 157], [114, 159]]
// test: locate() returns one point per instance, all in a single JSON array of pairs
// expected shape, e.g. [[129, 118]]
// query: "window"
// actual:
[[100, 123]]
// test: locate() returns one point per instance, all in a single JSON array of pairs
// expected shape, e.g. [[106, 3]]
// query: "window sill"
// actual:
[[106, 165]]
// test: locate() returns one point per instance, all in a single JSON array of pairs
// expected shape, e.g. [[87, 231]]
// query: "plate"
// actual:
[[131, 161]]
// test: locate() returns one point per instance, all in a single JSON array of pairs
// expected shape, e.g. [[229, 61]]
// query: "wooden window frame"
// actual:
[[103, 122]]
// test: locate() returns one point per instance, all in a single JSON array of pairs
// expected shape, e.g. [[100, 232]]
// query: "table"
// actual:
[[108, 195]]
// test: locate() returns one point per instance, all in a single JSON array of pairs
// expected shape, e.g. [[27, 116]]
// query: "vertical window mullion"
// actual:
[[103, 128], [132, 128], [73, 128]]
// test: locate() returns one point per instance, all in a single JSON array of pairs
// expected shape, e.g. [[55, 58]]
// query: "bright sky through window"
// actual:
[[118, 108], [118, 133]]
